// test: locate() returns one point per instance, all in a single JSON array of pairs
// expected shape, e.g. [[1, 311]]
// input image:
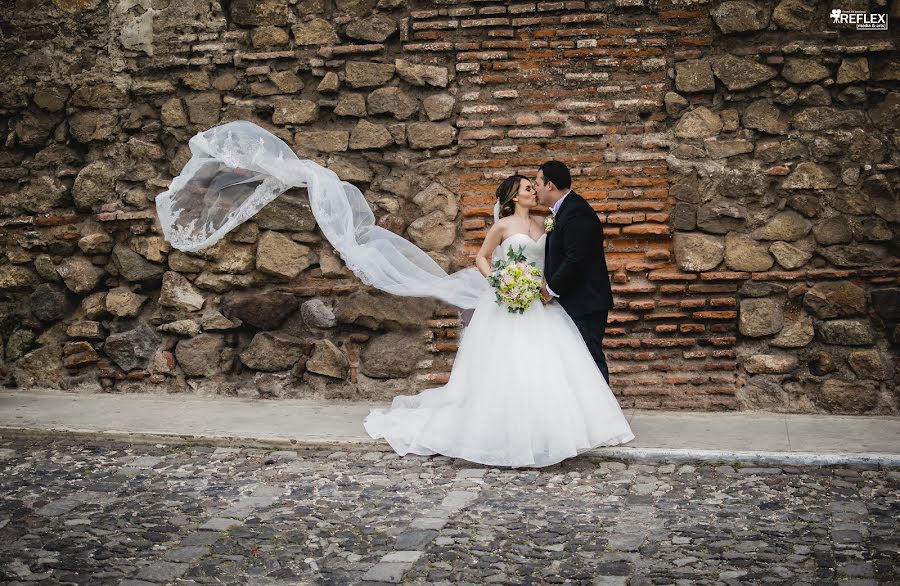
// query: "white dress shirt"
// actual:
[[553, 209]]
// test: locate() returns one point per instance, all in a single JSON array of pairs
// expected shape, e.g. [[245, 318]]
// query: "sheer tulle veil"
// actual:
[[237, 168]]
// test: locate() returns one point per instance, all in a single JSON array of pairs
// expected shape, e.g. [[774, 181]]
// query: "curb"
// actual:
[[175, 439], [728, 456], [355, 444]]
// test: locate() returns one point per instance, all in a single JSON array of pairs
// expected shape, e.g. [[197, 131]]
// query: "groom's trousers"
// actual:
[[592, 328]]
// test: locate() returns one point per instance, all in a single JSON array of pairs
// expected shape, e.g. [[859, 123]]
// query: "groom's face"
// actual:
[[542, 191]]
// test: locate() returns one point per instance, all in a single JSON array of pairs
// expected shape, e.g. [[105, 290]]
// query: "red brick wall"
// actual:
[[558, 80]]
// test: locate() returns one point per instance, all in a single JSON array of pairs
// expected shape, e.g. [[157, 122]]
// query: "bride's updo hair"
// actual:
[[506, 192]]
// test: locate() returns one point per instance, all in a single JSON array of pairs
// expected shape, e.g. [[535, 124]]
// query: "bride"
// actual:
[[524, 389]]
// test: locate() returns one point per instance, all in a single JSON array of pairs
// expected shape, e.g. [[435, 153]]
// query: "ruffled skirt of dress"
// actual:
[[524, 391]]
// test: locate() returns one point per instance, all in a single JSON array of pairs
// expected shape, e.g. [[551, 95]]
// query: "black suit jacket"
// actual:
[[574, 264]]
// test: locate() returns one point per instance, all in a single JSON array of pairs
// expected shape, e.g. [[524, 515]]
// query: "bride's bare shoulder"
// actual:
[[499, 228]]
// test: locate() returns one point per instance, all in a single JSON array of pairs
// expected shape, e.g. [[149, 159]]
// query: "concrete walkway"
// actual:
[[752, 436]]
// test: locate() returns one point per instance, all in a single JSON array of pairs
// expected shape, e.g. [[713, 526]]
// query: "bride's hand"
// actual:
[[545, 295]]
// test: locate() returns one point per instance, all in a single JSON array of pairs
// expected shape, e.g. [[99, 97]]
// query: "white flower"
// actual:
[[549, 224]]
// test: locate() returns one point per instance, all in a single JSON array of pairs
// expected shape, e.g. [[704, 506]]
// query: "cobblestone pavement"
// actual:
[[131, 515]]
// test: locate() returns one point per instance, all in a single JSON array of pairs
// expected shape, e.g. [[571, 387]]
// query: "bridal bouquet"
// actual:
[[517, 282]]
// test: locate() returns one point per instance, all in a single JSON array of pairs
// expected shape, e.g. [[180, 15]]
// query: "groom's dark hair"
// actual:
[[558, 173]]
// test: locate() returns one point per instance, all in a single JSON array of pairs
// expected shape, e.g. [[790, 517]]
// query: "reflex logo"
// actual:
[[863, 20]]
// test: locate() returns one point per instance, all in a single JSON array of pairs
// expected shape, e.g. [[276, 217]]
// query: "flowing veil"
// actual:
[[237, 168]]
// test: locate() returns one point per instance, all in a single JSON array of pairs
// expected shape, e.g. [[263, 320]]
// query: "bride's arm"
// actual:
[[491, 241]]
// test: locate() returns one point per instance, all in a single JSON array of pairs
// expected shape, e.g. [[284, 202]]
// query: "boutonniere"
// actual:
[[549, 224]]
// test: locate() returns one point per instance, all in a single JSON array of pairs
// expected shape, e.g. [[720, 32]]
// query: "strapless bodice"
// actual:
[[533, 249]]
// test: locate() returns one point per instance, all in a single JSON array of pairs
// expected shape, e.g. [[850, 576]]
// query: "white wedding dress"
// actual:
[[524, 390]]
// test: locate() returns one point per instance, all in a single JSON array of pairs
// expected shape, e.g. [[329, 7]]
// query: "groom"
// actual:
[[575, 270]]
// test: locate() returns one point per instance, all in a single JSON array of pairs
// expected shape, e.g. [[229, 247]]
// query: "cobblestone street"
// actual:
[[120, 514]]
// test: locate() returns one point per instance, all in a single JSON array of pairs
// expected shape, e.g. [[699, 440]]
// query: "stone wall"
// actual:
[[743, 157], [704, 133]]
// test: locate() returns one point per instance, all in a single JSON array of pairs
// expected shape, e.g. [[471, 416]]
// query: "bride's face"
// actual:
[[527, 197]]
